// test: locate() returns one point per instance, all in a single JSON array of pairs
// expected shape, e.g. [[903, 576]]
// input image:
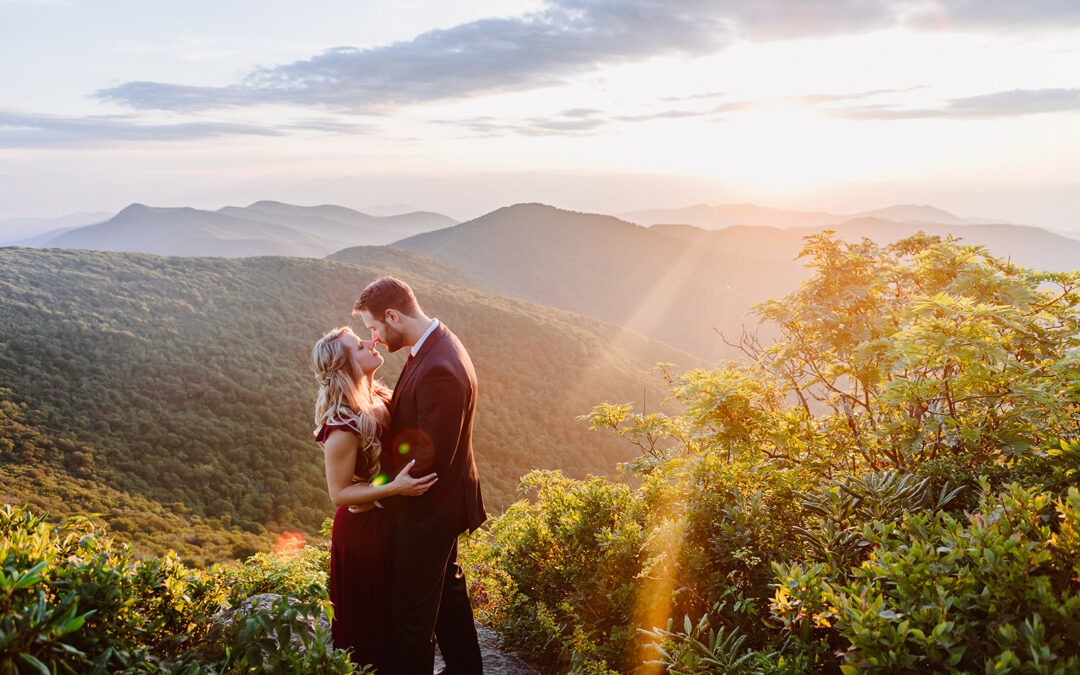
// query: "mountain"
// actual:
[[729, 215], [187, 232], [337, 224], [913, 213], [134, 385], [724, 215], [263, 228], [662, 286], [19, 231], [1030, 246]]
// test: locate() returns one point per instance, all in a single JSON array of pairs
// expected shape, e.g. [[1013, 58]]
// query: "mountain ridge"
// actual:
[[262, 228], [601, 266], [1033, 247]]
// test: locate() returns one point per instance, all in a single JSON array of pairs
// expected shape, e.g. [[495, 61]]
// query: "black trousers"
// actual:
[[428, 598]]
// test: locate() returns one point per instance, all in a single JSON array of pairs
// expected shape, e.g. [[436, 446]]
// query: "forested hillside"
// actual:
[[185, 382]]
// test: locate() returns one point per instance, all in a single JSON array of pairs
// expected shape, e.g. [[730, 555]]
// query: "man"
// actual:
[[431, 419]]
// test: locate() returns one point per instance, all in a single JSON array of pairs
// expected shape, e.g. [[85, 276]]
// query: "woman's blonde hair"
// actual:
[[344, 397]]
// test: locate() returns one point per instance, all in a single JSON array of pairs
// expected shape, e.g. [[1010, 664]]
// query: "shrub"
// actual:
[[72, 601], [998, 592], [557, 574]]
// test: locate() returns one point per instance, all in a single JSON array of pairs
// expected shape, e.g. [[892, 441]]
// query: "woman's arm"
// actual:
[[339, 452]]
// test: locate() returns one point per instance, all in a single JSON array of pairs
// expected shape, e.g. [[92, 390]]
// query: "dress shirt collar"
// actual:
[[420, 343]]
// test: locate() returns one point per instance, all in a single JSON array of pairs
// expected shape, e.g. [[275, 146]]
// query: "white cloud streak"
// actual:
[[19, 130], [1013, 103]]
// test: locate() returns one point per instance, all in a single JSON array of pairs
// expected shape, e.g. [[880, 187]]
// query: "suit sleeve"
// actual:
[[441, 403]]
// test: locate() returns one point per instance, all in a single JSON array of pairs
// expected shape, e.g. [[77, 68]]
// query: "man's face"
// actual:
[[386, 331]]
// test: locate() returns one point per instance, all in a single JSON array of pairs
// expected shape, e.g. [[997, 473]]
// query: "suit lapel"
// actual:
[[409, 374]]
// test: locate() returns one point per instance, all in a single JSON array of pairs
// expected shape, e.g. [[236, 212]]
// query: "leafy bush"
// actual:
[[998, 592], [71, 600], [557, 575], [891, 487]]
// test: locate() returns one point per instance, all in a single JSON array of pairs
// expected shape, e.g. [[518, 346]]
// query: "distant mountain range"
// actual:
[[726, 215], [31, 231], [777, 234], [678, 283], [691, 275], [263, 228], [1028, 246]]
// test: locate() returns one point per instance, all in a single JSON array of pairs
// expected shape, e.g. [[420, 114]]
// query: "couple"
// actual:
[[399, 466]]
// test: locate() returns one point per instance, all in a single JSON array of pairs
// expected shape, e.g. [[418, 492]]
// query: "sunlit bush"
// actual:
[[889, 487], [557, 574], [997, 591]]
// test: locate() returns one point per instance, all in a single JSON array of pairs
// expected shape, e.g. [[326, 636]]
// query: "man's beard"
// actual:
[[393, 339]]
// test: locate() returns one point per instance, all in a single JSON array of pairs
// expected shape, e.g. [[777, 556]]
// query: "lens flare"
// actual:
[[379, 479], [288, 544], [404, 448]]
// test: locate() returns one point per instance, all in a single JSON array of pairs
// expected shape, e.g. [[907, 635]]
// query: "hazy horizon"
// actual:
[[461, 108]]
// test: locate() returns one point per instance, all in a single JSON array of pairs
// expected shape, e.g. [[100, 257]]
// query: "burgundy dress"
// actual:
[[360, 555]]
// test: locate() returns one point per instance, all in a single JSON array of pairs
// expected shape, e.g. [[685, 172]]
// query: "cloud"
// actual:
[[992, 15], [565, 123], [490, 55], [1014, 103], [724, 109], [18, 130], [564, 39]]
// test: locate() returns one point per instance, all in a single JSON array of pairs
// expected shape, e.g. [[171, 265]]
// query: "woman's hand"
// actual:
[[405, 484]]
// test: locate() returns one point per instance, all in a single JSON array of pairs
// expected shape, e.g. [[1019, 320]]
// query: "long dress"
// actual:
[[360, 563]]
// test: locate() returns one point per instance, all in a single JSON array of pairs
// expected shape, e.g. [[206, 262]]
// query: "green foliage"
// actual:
[[73, 601], [301, 575], [700, 648], [996, 592], [925, 349], [558, 573], [254, 642], [890, 487]]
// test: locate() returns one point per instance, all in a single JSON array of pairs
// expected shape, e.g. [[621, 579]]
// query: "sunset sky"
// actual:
[[462, 107]]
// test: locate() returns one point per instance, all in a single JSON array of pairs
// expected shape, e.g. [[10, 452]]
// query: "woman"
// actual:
[[351, 416]]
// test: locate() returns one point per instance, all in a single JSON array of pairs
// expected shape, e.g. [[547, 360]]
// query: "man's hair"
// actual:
[[387, 293]]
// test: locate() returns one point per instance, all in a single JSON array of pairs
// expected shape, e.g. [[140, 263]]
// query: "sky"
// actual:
[[604, 106]]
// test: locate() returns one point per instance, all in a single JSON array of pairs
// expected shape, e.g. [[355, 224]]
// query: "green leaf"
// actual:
[[31, 576], [33, 662]]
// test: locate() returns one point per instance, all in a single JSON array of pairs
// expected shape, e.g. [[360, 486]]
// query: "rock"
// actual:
[[496, 661]]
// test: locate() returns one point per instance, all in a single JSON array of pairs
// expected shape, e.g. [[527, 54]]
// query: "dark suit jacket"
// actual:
[[431, 421]]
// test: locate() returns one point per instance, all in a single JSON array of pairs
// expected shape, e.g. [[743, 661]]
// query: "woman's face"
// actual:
[[363, 353]]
